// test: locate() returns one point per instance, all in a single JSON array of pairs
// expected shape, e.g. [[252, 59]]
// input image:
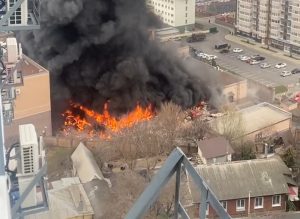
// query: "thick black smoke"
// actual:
[[99, 50]]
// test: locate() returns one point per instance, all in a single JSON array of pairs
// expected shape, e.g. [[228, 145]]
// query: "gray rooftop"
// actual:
[[262, 115], [258, 117], [234, 180]]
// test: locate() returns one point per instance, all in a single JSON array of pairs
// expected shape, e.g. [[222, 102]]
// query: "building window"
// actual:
[[259, 202], [185, 21], [276, 200], [240, 205], [224, 204]]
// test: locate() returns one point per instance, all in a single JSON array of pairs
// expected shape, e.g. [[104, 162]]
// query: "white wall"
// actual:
[[174, 12]]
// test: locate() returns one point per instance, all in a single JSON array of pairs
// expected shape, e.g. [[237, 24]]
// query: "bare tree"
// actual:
[[230, 125]]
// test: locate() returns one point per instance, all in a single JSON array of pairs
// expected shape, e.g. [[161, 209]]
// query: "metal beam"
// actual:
[[2, 145], [16, 28], [173, 164], [37, 178], [211, 197], [183, 212], [10, 11], [151, 192], [177, 190]]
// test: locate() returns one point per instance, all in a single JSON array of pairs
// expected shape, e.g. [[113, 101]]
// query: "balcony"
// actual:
[[8, 94], [8, 112]]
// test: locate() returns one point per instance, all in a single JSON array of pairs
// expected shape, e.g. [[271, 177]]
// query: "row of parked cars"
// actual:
[[257, 59], [288, 73], [203, 55]]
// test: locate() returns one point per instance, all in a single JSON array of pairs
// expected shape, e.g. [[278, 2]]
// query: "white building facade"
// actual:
[[176, 13], [273, 22]]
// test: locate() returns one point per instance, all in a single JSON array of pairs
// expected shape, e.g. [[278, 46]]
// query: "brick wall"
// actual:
[[267, 208]]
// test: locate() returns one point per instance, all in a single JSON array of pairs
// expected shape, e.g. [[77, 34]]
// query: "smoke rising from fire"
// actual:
[[99, 50]]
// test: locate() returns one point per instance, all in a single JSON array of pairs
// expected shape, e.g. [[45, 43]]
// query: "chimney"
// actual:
[[266, 150]]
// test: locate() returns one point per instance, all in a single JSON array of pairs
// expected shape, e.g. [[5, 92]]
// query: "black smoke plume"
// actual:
[[99, 50]]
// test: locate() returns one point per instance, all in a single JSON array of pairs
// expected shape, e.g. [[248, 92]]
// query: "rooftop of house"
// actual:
[[30, 67], [229, 79], [234, 180], [215, 147], [262, 115], [258, 117], [67, 199]]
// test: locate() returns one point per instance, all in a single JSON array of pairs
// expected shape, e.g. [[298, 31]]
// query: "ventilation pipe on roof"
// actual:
[[266, 150]]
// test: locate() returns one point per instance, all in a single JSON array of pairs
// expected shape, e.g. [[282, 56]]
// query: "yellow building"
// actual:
[[32, 101]]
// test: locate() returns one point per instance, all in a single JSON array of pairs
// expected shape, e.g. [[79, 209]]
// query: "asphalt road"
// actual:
[[269, 77]]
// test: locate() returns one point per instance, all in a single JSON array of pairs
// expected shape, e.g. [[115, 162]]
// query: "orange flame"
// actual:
[[105, 119]]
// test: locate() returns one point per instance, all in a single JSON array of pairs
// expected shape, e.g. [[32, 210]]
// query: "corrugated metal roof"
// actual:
[[234, 180]]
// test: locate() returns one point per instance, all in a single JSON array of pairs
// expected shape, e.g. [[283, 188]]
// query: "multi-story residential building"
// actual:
[[176, 13], [273, 22], [25, 92]]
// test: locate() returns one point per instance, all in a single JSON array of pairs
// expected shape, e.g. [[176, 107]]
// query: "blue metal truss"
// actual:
[[174, 163], [33, 15]]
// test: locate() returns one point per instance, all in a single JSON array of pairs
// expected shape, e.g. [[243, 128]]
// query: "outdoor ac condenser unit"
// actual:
[[29, 150]]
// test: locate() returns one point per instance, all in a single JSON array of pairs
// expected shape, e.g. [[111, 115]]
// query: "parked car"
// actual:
[[285, 73], [224, 51], [296, 71], [202, 55], [296, 98], [280, 65], [259, 58], [237, 50], [254, 62], [254, 56], [196, 38], [245, 58], [240, 56], [211, 57], [265, 65]]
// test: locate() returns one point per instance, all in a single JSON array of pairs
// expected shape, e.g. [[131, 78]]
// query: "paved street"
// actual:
[[269, 77]]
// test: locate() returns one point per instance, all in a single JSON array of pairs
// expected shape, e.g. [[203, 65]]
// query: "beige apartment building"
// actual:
[[272, 22], [175, 13], [32, 101]]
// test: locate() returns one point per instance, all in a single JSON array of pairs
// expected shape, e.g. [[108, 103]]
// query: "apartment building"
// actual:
[[175, 13], [272, 22], [25, 92]]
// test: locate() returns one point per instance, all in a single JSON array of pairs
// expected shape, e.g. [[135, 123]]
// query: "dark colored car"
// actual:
[[259, 58], [225, 51], [296, 71]]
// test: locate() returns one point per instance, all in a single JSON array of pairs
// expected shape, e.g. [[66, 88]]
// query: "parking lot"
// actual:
[[268, 76]]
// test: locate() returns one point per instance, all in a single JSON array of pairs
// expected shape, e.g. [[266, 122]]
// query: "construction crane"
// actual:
[[15, 15]]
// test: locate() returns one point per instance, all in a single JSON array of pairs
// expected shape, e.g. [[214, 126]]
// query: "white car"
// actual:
[[285, 73], [244, 58], [280, 65], [237, 50], [265, 65], [240, 56], [202, 55], [254, 62], [211, 57]]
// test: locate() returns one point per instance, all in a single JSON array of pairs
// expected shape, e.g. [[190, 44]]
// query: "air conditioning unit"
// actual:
[[29, 150]]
